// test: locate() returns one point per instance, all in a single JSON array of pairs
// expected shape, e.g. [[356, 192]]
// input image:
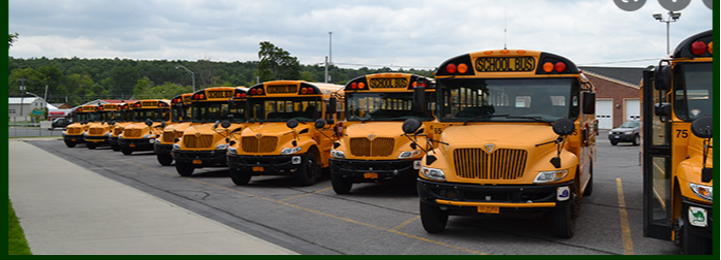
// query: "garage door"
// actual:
[[633, 109], [604, 114]]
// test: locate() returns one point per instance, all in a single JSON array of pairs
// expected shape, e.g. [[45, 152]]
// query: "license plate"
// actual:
[[73, 140], [197, 162], [258, 169], [132, 145], [489, 209], [617, 137], [370, 175]]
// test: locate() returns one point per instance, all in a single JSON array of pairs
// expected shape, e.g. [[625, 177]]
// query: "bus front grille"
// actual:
[[203, 141], [379, 147], [75, 131], [96, 131], [502, 164], [169, 137], [265, 144], [132, 133]]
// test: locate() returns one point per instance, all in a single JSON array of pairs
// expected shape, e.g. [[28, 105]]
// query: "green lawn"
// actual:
[[16, 238]]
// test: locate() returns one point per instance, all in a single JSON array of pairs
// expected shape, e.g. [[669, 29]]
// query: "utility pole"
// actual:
[[22, 97], [326, 69]]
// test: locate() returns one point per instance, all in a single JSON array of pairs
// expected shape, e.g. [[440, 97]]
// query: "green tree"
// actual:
[[276, 63], [12, 37]]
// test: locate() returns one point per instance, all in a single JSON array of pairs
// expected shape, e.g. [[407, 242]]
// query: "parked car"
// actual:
[[627, 132], [60, 122]]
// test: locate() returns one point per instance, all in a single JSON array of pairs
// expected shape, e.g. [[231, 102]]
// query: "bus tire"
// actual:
[[115, 147], [309, 171], [127, 150], [692, 244], [184, 169], [340, 185], [240, 178], [434, 220], [564, 221], [70, 144], [165, 159], [92, 146]]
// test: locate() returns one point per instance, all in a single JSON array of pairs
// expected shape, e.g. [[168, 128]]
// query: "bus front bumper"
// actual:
[[266, 165], [163, 149], [96, 139], [698, 217], [460, 198], [375, 171], [141, 144], [74, 138], [200, 158]]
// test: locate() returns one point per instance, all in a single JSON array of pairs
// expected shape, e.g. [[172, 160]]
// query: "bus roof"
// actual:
[[507, 63], [699, 45], [293, 88], [181, 99], [388, 82], [152, 103], [110, 107]]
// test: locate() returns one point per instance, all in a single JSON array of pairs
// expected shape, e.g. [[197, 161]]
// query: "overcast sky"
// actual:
[[372, 33]]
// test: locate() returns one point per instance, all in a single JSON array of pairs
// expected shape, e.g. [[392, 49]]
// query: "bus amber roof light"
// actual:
[[462, 68], [560, 67], [548, 67], [504, 52], [361, 85], [260, 91], [699, 48], [304, 91], [451, 68], [710, 48]]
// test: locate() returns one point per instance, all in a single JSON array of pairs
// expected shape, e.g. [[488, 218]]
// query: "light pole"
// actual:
[[22, 98], [189, 71], [672, 17], [45, 103]]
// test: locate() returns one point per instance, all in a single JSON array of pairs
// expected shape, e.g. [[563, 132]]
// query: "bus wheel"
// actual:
[[340, 185], [692, 244], [165, 159], [92, 146], [240, 178], [433, 218], [564, 221], [184, 169], [127, 150], [70, 144], [309, 171], [115, 147]]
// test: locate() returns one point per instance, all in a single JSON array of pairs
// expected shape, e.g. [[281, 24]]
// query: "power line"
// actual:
[[616, 62]]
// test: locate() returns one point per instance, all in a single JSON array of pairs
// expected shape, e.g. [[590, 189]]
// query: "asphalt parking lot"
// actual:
[[384, 218]]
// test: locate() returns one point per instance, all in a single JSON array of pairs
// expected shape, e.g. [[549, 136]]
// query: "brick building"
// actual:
[[617, 94]]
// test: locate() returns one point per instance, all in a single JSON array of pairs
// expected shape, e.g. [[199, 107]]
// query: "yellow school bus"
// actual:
[[281, 137], [677, 121], [372, 147], [205, 143], [99, 133], [83, 116], [152, 116], [516, 134], [180, 117], [126, 118]]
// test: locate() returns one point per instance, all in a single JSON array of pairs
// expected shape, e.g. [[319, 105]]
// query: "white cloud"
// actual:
[[401, 32]]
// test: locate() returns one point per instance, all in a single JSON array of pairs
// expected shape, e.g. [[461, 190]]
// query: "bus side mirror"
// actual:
[[663, 110], [589, 103], [292, 123], [564, 127], [411, 126], [320, 123], [162, 125], [419, 100], [225, 124], [332, 105], [149, 122], [663, 78], [702, 127]]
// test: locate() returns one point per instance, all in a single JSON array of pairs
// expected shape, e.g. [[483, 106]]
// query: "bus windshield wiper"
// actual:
[[534, 118], [482, 117]]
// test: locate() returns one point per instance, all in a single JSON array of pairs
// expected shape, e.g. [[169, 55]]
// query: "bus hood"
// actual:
[[377, 129], [272, 129], [515, 136]]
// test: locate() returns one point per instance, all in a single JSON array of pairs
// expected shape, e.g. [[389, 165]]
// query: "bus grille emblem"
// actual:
[[258, 136], [371, 137], [489, 147], [197, 134]]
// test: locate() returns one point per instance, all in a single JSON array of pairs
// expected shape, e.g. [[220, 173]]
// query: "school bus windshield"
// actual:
[[181, 113], [83, 117], [275, 110], [385, 106], [693, 90], [154, 114], [210, 112], [509, 100]]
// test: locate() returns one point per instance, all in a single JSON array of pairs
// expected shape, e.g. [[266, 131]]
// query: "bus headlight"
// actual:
[[550, 176], [337, 154], [433, 174], [704, 192], [232, 151], [176, 147], [222, 147], [409, 154], [289, 151]]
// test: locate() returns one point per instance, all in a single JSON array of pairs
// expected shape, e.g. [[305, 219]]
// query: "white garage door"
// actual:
[[604, 114], [633, 109]]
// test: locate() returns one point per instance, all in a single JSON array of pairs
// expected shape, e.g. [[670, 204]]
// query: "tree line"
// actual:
[[76, 80]]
